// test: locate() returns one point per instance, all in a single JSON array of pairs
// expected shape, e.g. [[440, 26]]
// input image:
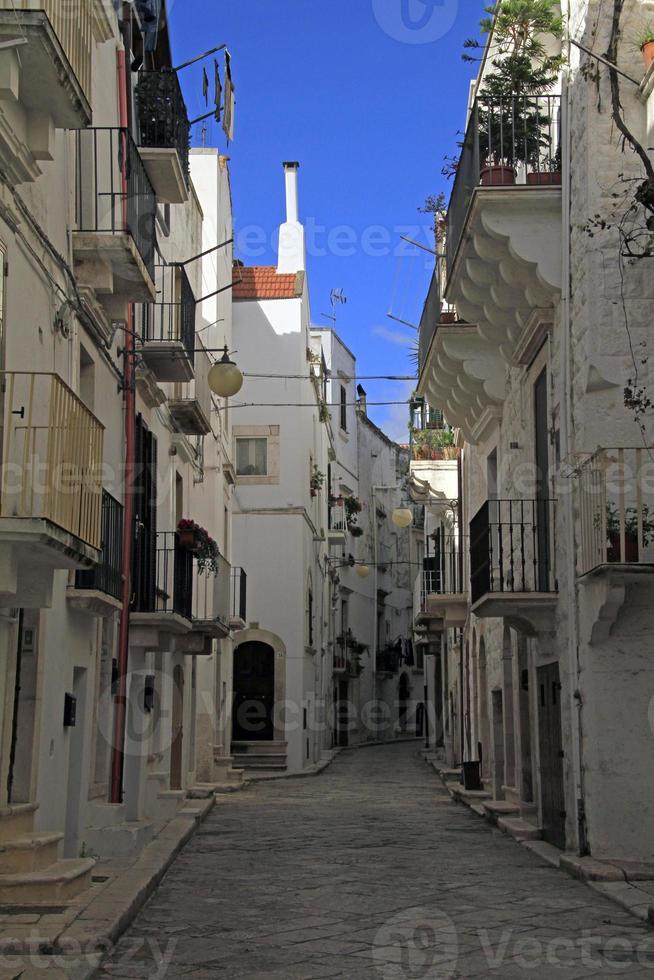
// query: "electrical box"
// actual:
[[70, 711], [148, 692]]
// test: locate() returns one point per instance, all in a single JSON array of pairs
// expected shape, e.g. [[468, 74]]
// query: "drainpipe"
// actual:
[[129, 401], [567, 448]]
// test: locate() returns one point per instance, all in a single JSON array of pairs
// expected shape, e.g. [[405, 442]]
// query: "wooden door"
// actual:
[[177, 745], [254, 693], [551, 755]]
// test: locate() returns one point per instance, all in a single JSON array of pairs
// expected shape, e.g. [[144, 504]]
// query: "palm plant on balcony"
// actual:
[[515, 124]]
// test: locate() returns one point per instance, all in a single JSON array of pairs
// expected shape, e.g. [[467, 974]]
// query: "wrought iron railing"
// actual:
[[172, 316], [165, 575], [51, 455], [509, 140], [113, 193], [337, 517], [162, 115], [239, 594], [512, 548], [616, 509], [443, 571], [107, 577]]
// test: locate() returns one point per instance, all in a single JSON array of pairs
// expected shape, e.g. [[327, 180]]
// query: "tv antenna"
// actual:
[[337, 298]]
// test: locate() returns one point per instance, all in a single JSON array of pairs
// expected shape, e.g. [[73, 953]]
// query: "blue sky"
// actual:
[[369, 96]]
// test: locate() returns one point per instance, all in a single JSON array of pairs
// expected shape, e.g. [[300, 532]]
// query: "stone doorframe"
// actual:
[[279, 649]]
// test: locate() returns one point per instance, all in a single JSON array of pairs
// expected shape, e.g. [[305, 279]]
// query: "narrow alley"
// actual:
[[370, 870]]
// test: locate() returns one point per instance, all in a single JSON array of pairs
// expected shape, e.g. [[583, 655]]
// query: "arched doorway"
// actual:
[[254, 692], [403, 695]]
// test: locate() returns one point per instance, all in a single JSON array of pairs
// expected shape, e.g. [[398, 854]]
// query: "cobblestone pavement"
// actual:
[[371, 871]]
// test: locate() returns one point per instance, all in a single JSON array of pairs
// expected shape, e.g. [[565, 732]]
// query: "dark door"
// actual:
[[542, 456], [551, 755], [254, 693], [177, 747], [144, 562]]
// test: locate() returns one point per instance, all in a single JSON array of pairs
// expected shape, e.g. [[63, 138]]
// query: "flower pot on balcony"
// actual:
[[544, 178], [648, 53], [632, 552], [496, 175], [448, 317], [189, 539]]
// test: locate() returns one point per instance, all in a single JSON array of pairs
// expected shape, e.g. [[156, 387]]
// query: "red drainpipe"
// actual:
[[129, 398]]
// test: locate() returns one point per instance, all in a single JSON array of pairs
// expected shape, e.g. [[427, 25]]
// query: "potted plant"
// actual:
[[646, 43], [317, 480], [353, 507], [188, 534], [513, 127], [446, 443], [549, 175]]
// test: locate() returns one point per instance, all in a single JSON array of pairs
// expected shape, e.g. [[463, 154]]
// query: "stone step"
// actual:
[[119, 840], [58, 883], [239, 749], [468, 796], [264, 762], [17, 819], [102, 814], [518, 828], [28, 852], [499, 808]]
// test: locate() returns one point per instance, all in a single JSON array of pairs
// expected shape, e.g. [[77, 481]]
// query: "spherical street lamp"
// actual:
[[224, 378], [363, 571], [402, 517]]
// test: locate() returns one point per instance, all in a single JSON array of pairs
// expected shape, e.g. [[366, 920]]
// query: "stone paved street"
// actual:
[[371, 871]]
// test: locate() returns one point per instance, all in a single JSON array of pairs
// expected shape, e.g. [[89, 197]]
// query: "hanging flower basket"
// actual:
[[188, 534], [199, 542]]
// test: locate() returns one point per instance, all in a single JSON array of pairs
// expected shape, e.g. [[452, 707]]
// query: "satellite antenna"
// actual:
[[336, 297]]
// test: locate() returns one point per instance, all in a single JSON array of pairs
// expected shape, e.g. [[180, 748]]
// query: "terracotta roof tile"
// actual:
[[264, 282]]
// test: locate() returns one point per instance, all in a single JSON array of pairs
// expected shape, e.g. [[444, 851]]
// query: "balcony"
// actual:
[[50, 499], [168, 326], [99, 590], [616, 510], [337, 521], [503, 259], [512, 560], [164, 134], [443, 589], [47, 81], [212, 601], [190, 403], [163, 578], [347, 655], [238, 619], [115, 211]]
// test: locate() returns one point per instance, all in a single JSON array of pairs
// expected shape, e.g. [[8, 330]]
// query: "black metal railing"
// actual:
[[429, 320], [162, 115], [512, 548], [172, 316], [107, 577], [239, 594], [113, 193], [166, 583], [443, 571], [515, 139]]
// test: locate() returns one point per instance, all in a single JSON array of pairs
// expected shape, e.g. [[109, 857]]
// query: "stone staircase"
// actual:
[[31, 872], [260, 758]]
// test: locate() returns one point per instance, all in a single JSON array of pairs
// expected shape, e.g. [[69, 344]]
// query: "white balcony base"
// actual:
[[93, 602], [156, 631], [110, 264], [452, 609], [189, 416], [164, 169], [528, 612], [167, 359], [31, 550]]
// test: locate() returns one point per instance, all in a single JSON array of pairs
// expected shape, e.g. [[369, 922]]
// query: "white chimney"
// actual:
[[292, 257]]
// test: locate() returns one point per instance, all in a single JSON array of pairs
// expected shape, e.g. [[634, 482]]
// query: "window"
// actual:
[[252, 457], [343, 408]]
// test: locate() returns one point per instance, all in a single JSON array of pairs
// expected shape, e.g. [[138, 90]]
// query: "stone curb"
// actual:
[[605, 878], [78, 951]]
